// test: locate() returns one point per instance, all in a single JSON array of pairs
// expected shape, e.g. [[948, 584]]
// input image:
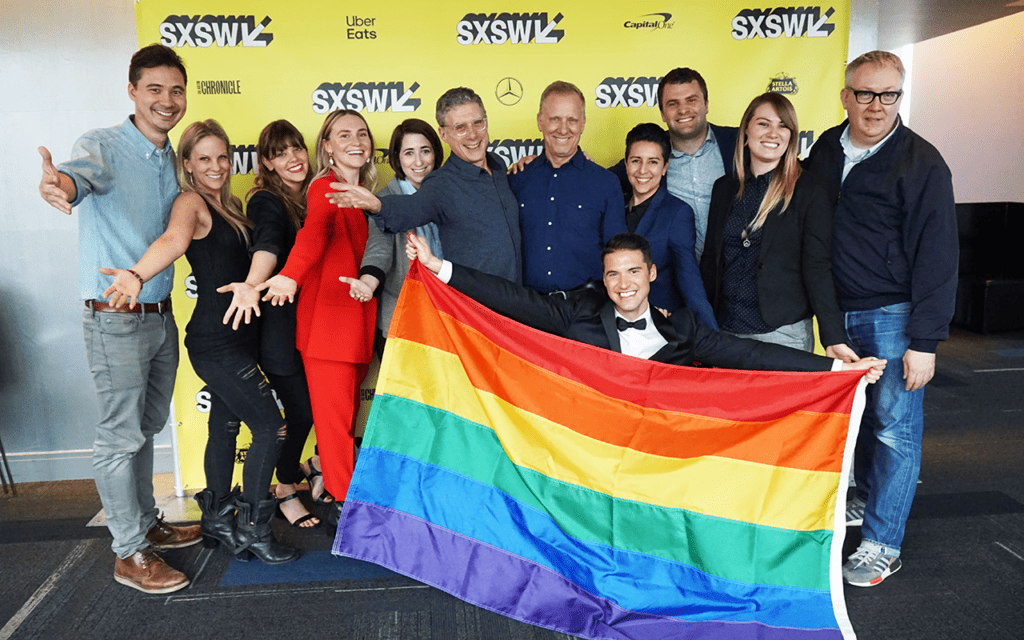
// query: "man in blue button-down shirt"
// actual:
[[468, 198], [568, 206], [123, 181]]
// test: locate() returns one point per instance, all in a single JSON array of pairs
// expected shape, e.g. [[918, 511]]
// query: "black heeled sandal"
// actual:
[[317, 490], [298, 521]]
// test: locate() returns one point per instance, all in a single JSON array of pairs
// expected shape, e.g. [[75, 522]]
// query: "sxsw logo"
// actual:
[[512, 151], [243, 159], [517, 28], [208, 31], [782, 22], [372, 97], [626, 92]]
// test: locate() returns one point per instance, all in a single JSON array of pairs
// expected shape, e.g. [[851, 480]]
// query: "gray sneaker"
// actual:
[[869, 565], [855, 512]]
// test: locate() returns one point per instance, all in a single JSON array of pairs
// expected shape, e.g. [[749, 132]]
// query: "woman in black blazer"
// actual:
[[767, 262]]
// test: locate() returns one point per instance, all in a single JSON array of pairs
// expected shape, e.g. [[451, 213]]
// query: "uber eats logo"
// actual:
[[372, 97], [782, 22], [517, 28], [209, 31], [626, 92]]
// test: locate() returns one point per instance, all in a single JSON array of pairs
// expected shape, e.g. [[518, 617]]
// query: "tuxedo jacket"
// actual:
[[589, 316], [794, 266]]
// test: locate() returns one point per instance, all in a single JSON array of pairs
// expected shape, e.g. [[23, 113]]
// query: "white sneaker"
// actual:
[[870, 564]]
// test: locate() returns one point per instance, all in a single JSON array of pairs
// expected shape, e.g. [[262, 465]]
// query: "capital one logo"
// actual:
[[372, 97], [220, 31], [516, 28], [782, 22], [626, 92]]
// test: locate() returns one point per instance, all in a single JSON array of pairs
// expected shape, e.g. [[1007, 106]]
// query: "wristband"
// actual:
[[137, 277]]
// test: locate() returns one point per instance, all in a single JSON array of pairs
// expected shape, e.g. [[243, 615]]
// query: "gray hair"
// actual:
[[454, 98], [877, 58]]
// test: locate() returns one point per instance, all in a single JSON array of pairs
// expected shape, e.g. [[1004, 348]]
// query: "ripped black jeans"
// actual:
[[239, 392]]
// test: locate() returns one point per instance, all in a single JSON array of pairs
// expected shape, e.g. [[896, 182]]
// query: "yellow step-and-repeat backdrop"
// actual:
[[256, 61]]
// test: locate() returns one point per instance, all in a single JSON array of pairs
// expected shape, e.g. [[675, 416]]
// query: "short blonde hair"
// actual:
[[877, 58]]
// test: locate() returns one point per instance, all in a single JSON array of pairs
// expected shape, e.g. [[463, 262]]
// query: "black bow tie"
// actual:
[[624, 324]]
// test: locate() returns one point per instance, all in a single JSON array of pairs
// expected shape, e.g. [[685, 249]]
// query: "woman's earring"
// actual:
[[330, 159]]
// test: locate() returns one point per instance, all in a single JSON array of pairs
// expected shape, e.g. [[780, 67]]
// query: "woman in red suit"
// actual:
[[335, 313]]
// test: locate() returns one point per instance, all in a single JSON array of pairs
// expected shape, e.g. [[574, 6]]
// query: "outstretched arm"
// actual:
[[187, 221], [55, 187]]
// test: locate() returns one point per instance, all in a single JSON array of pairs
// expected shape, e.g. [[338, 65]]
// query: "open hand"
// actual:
[[244, 301], [49, 186], [280, 289], [126, 288]]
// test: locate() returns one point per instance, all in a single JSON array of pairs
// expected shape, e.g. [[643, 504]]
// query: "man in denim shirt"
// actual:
[[124, 179]]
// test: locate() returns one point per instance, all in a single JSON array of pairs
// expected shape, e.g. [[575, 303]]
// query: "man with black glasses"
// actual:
[[895, 255], [468, 198]]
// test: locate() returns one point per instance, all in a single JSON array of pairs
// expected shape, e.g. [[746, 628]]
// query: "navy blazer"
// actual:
[[668, 225], [589, 316], [794, 268]]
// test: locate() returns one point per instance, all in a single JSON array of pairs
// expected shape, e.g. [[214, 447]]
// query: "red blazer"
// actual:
[[330, 325]]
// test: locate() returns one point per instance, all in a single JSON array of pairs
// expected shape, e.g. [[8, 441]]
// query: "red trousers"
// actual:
[[334, 394]]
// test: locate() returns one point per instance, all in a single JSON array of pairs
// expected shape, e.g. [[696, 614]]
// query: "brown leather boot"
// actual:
[[168, 536], [147, 572]]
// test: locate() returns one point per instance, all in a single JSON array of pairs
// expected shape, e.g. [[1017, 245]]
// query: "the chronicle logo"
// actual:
[[512, 151], [651, 21], [517, 28], [509, 91], [372, 97], [626, 92], [783, 22], [783, 84], [209, 31]]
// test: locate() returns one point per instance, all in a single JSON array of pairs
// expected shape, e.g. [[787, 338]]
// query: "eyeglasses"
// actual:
[[885, 97], [462, 128]]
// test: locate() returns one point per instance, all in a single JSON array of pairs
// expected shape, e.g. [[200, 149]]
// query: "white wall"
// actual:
[[969, 102], [64, 69]]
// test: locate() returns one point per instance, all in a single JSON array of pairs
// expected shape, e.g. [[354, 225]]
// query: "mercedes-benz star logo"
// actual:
[[509, 91]]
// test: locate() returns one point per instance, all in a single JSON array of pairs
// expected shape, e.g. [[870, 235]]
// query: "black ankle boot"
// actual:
[[253, 536], [218, 521]]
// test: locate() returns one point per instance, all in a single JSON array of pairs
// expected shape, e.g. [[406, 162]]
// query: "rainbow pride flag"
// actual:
[[597, 494]]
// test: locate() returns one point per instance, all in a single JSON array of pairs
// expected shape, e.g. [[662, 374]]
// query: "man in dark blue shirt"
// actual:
[[568, 206], [468, 198]]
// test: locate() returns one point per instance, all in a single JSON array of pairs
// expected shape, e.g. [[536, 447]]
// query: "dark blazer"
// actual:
[[589, 316], [794, 269], [668, 225], [724, 136]]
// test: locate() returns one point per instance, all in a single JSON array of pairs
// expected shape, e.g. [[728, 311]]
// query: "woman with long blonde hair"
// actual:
[[208, 227], [767, 264], [336, 310]]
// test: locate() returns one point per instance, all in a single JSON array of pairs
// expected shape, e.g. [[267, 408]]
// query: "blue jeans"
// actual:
[[888, 455], [133, 358]]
